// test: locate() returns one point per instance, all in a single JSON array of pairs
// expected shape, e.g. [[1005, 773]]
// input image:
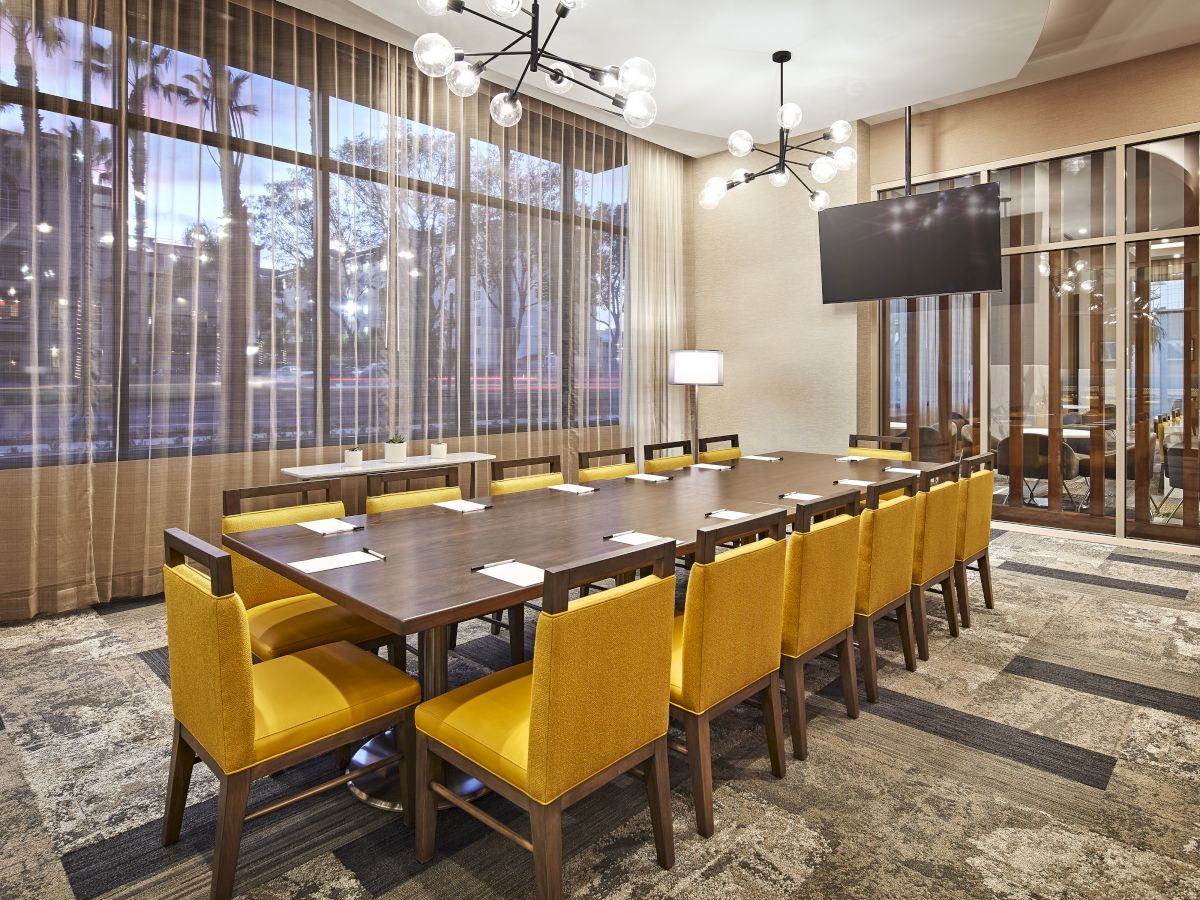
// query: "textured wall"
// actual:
[[754, 284]]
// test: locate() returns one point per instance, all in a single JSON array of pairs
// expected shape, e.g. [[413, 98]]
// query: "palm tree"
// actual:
[[26, 28]]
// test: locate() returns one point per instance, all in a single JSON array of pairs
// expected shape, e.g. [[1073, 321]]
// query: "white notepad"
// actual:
[[800, 498], [852, 458], [713, 466], [573, 488], [764, 458], [462, 506], [655, 478], [727, 514], [633, 538], [337, 561], [518, 573], [900, 471], [327, 526], [855, 483]]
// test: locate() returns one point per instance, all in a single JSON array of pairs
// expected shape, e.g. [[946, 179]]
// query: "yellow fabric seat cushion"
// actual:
[[308, 620], [308, 696], [885, 554], [412, 499], [521, 483], [880, 453], [935, 532], [607, 473], [819, 584], [974, 531], [718, 456], [486, 721], [667, 463]]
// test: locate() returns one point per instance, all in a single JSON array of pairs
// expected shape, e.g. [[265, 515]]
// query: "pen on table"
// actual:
[[708, 515], [499, 562], [374, 553], [609, 537]]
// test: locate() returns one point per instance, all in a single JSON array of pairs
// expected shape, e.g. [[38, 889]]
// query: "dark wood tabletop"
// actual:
[[426, 581]]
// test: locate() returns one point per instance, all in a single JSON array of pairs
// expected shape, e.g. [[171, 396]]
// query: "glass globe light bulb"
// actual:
[[1080, 265], [740, 175], [433, 54], [637, 74], [1067, 286], [840, 131], [740, 143], [818, 200], [574, 4], [778, 178], [716, 185], [789, 116], [505, 109], [1087, 285], [823, 169], [844, 158], [463, 78], [1044, 269], [709, 199], [640, 109], [433, 7], [559, 84], [504, 9]]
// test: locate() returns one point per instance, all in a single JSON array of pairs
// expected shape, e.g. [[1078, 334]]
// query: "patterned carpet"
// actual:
[[1051, 751]]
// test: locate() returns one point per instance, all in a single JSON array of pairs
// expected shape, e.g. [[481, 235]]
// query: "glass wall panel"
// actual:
[[1068, 199], [1160, 184]]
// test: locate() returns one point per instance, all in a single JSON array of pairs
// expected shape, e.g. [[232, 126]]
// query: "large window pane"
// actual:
[[1072, 198], [1160, 184]]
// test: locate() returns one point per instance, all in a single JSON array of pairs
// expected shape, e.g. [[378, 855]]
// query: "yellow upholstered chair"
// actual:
[[820, 578], [656, 466], [247, 721], [382, 495], [284, 617], [592, 705], [725, 646], [974, 533], [933, 548], [721, 454], [885, 554], [588, 472], [519, 483], [885, 447]]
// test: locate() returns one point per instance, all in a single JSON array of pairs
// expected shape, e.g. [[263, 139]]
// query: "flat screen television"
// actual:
[[947, 242]]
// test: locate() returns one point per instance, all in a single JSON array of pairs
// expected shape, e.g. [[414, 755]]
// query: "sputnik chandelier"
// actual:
[[823, 165], [627, 86]]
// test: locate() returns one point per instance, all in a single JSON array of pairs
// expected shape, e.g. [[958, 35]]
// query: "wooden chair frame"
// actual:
[[704, 443], [697, 727], [231, 498], [807, 514], [379, 484], [545, 841], [882, 441], [627, 454], [684, 447], [982, 559], [943, 582], [500, 466], [234, 788]]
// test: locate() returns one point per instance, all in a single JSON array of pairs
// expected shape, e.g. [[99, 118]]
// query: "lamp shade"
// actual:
[[696, 367]]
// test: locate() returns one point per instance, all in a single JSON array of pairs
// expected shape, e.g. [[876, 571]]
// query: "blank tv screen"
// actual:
[[946, 242]]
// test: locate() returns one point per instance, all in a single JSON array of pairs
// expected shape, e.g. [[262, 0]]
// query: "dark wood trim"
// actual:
[[379, 484], [705, 442], [906, 483], [972, 464], [684, 447], [627, 454], [773, 523], [945, 397], [881, 441], [179, 546], [231, 498], [1054, 441], [929, 477], [500, 466], [847, 503], [559, 580], [912, 379]]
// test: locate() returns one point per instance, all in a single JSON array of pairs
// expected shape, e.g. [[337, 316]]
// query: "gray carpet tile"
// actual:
[[1117, 584], [1153, 562], [156, 661], [1106, 686]]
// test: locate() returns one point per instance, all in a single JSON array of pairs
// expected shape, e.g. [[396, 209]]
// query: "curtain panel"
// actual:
[[234, 237]]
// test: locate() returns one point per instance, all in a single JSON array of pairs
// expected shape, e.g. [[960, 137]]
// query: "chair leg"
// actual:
[[231, 815], [700, 766], [546, 828], [452, 636], [985, 578], [864, 630], [773, 719], [948, 597], [395, 652], [495, 620], [425, 811], [658, 792], [916, 602], [183, 758], [793, 679], [849, 674], [342, 756], [407, 732], [516, 633], [960, 589], [907, 644]]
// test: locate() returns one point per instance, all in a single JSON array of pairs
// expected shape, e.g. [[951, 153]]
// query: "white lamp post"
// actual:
[[695, 368]]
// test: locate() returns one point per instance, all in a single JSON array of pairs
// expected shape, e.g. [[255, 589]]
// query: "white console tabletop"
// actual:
[[375, 466]]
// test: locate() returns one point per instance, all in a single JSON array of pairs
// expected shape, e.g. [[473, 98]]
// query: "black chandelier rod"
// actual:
[[590, 87], [799, 179]]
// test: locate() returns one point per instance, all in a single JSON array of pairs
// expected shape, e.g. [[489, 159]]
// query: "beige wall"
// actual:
[[1147, 94], [754, 287]]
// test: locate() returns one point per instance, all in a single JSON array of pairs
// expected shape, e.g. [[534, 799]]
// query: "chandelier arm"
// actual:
[[584, 84], [511, 28], [549, 34], [766, 152], [571, 62], [799, 179], [765, 171], [804, 144], [800, 147]]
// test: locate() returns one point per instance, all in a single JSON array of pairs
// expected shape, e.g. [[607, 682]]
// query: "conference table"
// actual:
[[426, 578]]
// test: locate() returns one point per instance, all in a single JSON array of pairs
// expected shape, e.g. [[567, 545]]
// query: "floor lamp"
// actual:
[[695, 368]]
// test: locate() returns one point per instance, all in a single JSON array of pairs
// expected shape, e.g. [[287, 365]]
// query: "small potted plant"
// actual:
[[438, 449], [353, 458], [395, 449]]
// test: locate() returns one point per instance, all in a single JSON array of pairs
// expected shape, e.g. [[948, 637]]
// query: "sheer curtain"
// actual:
[[236, 237]]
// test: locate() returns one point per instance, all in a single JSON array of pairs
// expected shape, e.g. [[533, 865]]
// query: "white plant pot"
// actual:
[[353, 459], [438, 450], [395, 453]]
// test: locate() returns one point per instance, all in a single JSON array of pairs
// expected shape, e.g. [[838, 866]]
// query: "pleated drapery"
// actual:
[[234, 237]]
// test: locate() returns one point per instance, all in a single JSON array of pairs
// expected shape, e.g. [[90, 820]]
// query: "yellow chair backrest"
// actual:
[[717, 456], [732, 622], [256, 584], [412, 499], [607, 473], [667, 463], [974, 531], [885, 553], [208, 647], [819, 583], [880, 453], [936, 531], [519, 483], [601, 684]]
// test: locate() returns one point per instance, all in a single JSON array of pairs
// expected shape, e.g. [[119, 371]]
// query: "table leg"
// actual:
[[471, 478]]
